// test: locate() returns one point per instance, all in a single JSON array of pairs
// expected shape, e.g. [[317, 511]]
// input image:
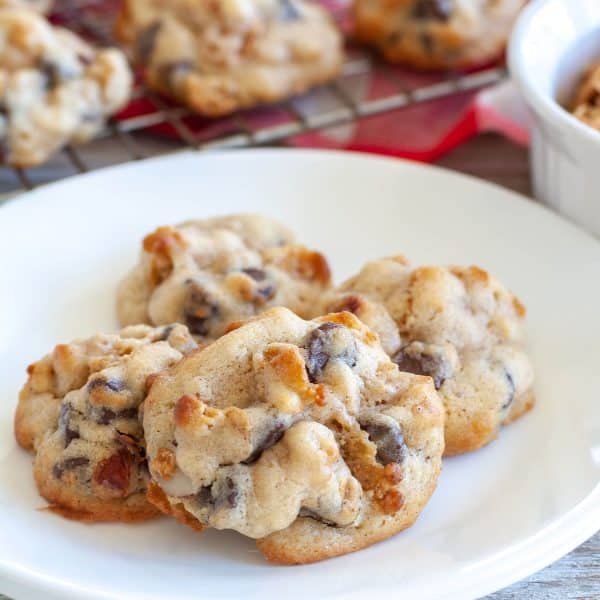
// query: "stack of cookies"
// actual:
[[246, 392], [215, 57]]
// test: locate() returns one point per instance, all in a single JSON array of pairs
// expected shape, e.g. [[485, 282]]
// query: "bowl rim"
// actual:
[[544, 104]]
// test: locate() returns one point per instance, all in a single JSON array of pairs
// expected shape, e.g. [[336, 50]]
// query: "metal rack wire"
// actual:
[[163, 127]]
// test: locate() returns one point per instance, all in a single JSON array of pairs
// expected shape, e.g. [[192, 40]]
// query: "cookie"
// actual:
[[219, 57], [78, 412], [300, 434], [586, 106], [461, 327], [436, 34], [210, 273], [55, 89]]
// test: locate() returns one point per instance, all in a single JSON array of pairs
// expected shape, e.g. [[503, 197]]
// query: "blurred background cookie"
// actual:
[[210, 273], [55, 89], [437, 34], [218, 57]]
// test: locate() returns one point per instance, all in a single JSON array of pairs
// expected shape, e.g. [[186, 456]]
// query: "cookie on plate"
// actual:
[[78, 412], [300, 434], [55, 89], [437, 34], [210, 273], [218, 57], [461, 327]]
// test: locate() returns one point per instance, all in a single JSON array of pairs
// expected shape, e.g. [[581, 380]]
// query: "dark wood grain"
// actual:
[[493, 158]]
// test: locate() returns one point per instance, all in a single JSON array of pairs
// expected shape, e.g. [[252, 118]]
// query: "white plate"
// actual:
[[497, 515]]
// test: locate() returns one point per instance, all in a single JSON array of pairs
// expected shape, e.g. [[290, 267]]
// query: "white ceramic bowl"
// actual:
[[553, 43]]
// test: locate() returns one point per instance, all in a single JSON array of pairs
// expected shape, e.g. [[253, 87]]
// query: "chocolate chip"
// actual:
[[386, 434], [169, 72], [426, 42], [198, 309], [232, 494], [222, 493], [440, 10], [114, 385], [115, 472], [265, 292], [69, 464], [419, 360], [512, 388], [105, 415], [64, 424], [163, 336], [55, 73], [322, 346], [256, 274], [146, 42], [204, 496], [288, 11], [271, 437]]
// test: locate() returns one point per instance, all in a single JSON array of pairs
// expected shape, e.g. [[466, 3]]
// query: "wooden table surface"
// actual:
[[576, 576]]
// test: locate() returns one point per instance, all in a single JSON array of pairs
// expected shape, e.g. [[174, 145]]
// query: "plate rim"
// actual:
[[28, 196], [511, 564]]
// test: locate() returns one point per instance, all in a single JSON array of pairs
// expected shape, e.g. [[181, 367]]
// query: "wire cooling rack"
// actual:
[[159, 126]]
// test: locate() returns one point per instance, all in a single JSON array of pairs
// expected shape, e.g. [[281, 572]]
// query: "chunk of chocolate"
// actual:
[[271, 437], [440, 10], [386, 434], [112, 385], [330, 341], [221, 494], [198, 309], [64, 424], [264, 292], [105, 416], [146, 42], [420, 359], [69, 464]]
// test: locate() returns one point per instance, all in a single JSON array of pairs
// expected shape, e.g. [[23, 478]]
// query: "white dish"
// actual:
[[498, 514], [552, 45]]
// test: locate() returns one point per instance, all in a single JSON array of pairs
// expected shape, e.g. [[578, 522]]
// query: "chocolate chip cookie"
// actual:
[[78, 412], [210, 273], [462, 328], [437, 34], [301, 434], [218, 57], [55, 89]]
